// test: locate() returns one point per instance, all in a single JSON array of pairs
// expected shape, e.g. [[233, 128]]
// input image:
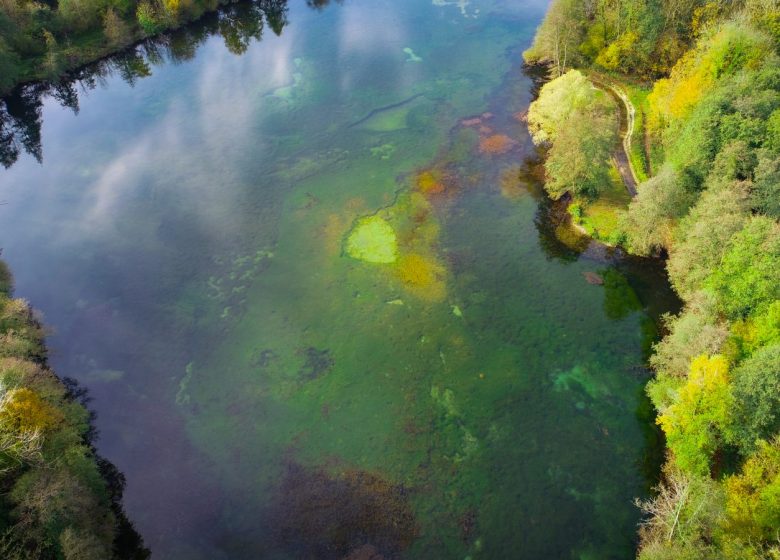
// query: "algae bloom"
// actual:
[[373, 240]]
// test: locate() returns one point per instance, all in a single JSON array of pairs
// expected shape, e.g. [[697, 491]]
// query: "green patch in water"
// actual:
[[373, 240]]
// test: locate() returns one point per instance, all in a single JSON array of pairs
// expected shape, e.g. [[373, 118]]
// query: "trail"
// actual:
[[627, 120]]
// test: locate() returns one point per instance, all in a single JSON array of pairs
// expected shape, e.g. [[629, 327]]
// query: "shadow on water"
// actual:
[[238, 23]]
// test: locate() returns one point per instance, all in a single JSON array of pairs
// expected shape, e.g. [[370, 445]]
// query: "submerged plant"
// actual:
[[373, 240], [418, 270], [430, 182], [423, 275], [496, 144]]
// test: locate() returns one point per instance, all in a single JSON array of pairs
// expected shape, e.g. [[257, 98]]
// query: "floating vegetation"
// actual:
[[373, 240], [352, 514], [411, 57], [496, 144]]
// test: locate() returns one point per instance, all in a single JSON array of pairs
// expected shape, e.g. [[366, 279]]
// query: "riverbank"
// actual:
[[60, 499], [710, 147]]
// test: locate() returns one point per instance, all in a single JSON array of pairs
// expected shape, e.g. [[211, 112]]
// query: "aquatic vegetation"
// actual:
[[446, 399], [385, 151], [411, 56], [423, 275], [430, 182], [620, 299], [319, 515], [183, 394], [236, 276], [512, 184], [462, 5], [317, 362], [373, 240], [579, 377], [593, 278], [496, 144]]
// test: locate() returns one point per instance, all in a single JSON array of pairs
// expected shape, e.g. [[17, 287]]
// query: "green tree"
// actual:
[[702, 237], [753, 505], [747, 279], [558, 100], [653, 213], [757, 397]]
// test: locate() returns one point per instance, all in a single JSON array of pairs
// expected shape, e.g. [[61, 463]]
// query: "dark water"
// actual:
[[190, 238]]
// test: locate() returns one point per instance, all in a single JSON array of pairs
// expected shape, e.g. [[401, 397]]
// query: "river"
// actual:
[[307, 272]]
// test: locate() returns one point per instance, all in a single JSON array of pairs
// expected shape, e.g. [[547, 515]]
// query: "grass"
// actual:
[[600, 218]]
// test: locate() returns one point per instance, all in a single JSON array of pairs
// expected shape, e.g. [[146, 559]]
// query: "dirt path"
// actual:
[[627, 119]]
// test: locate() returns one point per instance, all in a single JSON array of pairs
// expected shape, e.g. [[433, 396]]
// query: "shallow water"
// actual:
[[269, 396]]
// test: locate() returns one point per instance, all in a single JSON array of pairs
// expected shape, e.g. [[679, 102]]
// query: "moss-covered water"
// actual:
[[321, 303]]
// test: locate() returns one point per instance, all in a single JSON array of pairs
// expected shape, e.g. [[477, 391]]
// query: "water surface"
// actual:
[[267, 395]]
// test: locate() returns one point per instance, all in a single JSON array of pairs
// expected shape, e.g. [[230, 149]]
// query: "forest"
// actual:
[[705, 79]]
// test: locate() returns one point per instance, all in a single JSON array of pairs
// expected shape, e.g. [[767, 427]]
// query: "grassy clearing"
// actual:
[[600, 218]]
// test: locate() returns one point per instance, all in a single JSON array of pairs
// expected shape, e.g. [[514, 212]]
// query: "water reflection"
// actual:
[[238, 23]]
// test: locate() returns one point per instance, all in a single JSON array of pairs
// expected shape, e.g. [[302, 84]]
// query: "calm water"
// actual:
[[267, 395]]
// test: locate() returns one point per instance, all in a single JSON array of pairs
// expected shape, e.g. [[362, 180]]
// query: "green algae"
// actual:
[[373, 240]]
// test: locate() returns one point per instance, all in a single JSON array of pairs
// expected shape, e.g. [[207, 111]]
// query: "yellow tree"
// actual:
[[696, 423]]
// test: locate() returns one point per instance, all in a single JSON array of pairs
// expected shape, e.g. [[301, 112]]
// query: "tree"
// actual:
[[757, 398], [702, 237], [696, 424], [747, 279], [653, 213], [695, 331], [753, 503], [765, 190], [115, 29], [578, 160], [558, 99], [679, 520], [558, 37]]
